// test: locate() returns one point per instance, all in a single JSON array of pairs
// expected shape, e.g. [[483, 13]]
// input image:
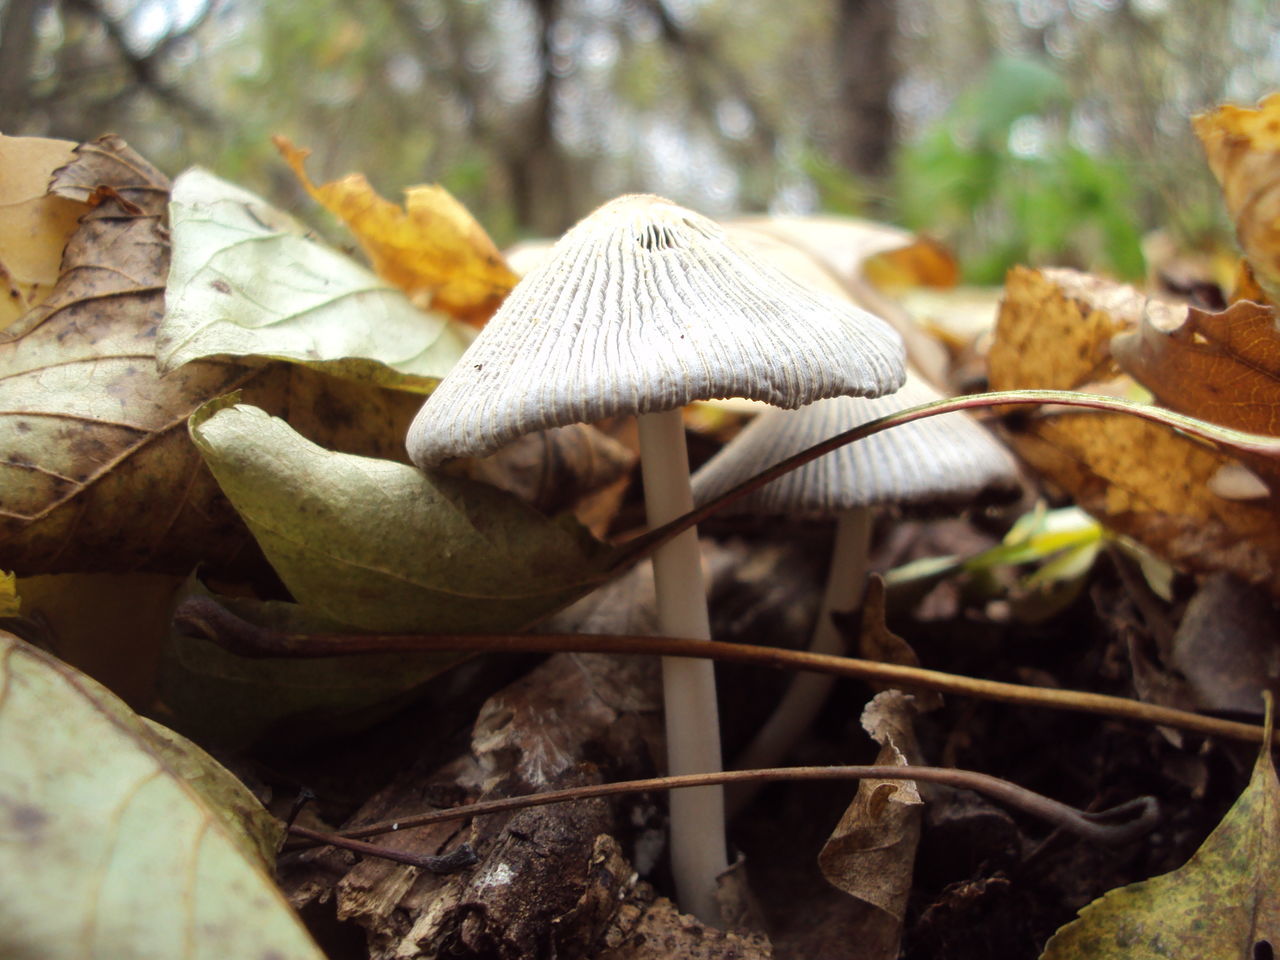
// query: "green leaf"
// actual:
[[107, 850], [381, 546], [236, 701], [246, 281], [1220, 904]]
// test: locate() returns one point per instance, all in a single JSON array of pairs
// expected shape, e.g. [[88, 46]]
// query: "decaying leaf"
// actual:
[[108, 849], [1144, 481], [871, 854], [432, 248], [573, 467], [235, 701], [34, 225], [247, 281], [1222, 903], [381, 546], [1243, 148], [96, 471]]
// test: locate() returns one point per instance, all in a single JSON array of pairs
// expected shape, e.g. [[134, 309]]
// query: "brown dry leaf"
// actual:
[[432, 248], [877, 642], [96, 471], [559, 469], [1139, 479], [871, 854], [1243, 149], [34, 225]]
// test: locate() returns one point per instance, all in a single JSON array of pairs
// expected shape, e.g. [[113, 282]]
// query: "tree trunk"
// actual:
[[867, 70], [17, 48]]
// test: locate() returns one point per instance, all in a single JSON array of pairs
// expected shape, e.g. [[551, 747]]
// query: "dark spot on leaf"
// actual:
[[22, 426], [221, 286], [479, 366], [24, 819]]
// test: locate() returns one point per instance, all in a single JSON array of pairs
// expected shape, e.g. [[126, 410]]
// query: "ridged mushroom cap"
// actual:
[[939, 461], [645, 306]]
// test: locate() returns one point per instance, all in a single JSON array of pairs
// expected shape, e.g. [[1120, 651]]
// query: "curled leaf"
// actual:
[[1243, 148], [1055, 330], [432, 248], [381, 546], [247, 281]]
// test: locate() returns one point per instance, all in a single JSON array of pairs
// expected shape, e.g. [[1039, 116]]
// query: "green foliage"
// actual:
[[998, 177]]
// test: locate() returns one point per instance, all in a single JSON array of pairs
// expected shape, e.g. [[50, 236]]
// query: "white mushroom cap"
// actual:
[[645, 306], [947, 459]]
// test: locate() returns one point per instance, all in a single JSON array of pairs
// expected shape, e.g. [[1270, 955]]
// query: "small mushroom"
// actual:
[[641, 308], [938, 462]]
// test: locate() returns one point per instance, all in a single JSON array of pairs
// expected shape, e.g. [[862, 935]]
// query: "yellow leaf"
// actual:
[[1221, 903], [1243, 148], [34, 226], [432, 248]]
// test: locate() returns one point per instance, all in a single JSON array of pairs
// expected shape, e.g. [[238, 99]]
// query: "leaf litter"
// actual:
[[333, 582]]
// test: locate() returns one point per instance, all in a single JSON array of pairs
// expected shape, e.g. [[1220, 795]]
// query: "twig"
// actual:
[[1116, 825], [457, 859], [205, 617]]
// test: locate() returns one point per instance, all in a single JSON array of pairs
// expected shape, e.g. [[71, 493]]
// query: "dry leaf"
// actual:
[[871, 854], [96, 471], [1222, 903], [1221, 367], [432, 248], [924, 262], [34, 225], [1145, 481], [247, 281], [1243, 148]]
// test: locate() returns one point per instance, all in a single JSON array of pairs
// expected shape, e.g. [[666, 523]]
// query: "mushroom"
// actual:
[[641, 308], [941, 461]]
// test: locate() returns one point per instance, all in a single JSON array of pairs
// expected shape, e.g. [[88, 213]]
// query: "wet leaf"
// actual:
[[431, 248], [236, 701], [1243, 148], [34, 225], [1220, 904], [109, 851], [247, 281], [96, 471], [1138, 479], [381, 546]]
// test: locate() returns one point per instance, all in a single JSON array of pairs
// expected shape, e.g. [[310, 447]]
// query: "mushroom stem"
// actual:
[[807, 692], [698, 851]]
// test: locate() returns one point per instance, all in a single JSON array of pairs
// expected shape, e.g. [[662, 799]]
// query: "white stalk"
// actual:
[[807, 692], [698, 851]]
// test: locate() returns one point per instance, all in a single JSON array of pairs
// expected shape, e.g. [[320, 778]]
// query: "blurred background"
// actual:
[[1035, 131]]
